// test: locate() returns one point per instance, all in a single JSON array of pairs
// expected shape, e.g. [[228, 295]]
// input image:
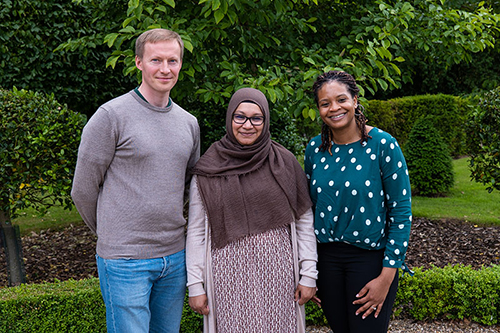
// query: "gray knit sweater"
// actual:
[[131, 176]]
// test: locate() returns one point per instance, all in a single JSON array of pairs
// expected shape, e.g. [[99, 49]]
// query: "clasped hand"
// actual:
[[199, 304]]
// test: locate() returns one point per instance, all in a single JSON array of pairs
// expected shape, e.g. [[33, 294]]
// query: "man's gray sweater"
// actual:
[[131, 176]]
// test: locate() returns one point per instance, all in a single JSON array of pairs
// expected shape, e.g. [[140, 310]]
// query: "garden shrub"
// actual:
[[71, 306], [398, 116], [39, 139], [428, 160], [381, 114], [483, 140], [449, 293], [452, 292]]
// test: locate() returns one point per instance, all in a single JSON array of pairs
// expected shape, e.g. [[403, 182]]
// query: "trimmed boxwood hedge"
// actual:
[[398, 116], [452, 292]]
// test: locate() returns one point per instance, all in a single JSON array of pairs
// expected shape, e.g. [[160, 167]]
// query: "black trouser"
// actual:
[[343, 271]]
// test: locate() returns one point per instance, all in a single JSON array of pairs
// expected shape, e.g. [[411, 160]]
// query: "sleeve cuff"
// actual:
[[307, 282], [196, 289]]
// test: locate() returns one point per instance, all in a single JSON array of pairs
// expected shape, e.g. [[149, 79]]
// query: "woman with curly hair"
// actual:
[[359, 185]]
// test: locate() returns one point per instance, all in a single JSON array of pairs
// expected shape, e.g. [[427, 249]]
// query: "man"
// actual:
[[129, 188]]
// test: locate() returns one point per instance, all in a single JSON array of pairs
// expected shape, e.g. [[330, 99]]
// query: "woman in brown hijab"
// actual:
[[251, 248]]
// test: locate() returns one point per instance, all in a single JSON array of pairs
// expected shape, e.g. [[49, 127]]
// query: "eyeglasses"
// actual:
[[241, 119]]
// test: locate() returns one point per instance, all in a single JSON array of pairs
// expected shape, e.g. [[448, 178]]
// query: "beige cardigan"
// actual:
[[198, 260]]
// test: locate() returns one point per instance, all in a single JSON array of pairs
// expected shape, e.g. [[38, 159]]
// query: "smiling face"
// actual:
[[337, 106], [160, 66], [246, 134]]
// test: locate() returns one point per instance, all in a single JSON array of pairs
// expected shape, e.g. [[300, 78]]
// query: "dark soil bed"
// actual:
[[70, 253]]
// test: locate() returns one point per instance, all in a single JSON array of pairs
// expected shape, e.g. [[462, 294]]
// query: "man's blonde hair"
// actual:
[[155, 36]]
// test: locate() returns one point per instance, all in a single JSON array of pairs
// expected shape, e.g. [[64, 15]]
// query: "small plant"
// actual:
[[484, 141], [429, 160]]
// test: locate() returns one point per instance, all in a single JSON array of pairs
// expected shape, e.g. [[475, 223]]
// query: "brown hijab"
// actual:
[[247, 190]]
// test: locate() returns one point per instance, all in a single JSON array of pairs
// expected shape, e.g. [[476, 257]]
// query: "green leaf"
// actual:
[[215, 4], [190, 71], [300, 94], [127, 21], [110, 39], [276, 40], [128, 29], [309, 60], [310, 73], [218, 15], [274, 81], [171, 3], [112, 61], [382, 84], [305, 112], [188, 45], [272, 94], [396, 68], [312, 114]]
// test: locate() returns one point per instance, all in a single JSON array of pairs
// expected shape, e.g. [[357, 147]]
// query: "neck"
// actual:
[[153, 98], [343, 137]]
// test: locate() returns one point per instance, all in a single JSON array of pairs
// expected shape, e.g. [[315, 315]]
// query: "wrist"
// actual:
[[388, 273]]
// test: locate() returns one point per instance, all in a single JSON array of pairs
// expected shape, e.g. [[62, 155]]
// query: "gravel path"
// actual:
[[409, 326]]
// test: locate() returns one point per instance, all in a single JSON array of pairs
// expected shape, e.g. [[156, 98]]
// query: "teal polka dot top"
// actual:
[[361, 195]]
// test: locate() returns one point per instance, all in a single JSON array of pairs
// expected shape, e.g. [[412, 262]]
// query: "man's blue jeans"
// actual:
[[143, 295]]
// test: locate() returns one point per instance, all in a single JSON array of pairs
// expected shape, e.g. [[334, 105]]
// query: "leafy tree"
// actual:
[[484, 140], [280, 46], [39, 141], [436, 69], [30, 31]]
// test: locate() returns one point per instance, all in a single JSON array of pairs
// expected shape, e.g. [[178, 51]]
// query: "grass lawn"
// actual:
[[467, 200], [56, 218]]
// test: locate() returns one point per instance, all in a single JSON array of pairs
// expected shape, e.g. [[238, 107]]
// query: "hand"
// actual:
[[199, 304], [373, 294], [304, 294], [315, 299]]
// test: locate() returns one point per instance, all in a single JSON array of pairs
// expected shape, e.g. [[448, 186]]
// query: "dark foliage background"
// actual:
[[30, 31]]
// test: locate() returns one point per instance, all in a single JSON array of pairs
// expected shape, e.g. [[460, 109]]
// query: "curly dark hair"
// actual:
[[349, 81]]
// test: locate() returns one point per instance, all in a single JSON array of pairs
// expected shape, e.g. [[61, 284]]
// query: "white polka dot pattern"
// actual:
[[346, 206]]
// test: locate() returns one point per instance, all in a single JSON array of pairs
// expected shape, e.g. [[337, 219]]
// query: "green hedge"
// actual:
[[69, 306], [453, 292], [397, 116], [429, 161], [449, 293]]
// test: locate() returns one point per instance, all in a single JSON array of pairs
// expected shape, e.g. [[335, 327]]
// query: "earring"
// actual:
[[359, 110]]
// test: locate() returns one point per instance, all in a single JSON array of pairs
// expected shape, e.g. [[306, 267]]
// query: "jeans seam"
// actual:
[[164, 271], [110, 296]]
